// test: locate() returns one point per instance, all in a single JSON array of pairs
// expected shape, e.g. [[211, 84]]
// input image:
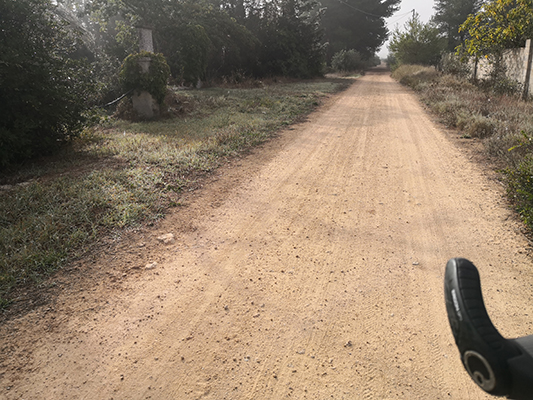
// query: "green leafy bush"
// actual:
[[347, 61], [418, 43], [452, 64], [44, 92], [133, 78]]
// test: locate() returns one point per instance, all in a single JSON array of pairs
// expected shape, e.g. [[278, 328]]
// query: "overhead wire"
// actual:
[[361, 11], [400, 17]]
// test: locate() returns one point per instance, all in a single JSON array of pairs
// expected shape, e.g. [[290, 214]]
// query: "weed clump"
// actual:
[[414, 75], [520, 188], [476, 125]]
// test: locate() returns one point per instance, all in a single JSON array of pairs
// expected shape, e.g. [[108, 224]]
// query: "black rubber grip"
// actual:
[[469, 285], [521, 369], [526, 344], [484, 351]]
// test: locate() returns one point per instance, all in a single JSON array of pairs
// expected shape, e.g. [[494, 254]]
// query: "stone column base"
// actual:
[[145, 105]]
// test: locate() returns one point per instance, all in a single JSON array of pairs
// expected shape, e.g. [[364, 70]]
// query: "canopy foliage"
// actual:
[[499, 24], [61, 57], [357, 24], [45, 88], [450, 15], [417, 43]]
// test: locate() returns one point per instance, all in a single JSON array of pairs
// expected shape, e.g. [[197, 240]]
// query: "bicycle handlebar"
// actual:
[[501, 367]]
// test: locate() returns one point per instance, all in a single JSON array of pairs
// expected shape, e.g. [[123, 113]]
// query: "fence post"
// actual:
[[529, 55]]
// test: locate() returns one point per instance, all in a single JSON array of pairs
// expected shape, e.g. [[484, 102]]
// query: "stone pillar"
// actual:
[[144, 103], [146, 42], [144, 63]]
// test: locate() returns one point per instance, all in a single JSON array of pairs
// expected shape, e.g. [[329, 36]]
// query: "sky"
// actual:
[[423, 7]]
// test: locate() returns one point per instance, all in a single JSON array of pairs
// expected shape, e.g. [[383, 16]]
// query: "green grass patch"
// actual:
[[122, 174]]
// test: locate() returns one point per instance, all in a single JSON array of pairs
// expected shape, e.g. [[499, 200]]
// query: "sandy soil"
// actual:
[[309, 269]]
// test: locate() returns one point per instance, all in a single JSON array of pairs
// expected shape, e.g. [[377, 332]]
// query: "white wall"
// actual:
[[516, 63]]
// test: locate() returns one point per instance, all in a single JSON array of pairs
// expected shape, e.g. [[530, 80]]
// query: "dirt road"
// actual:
[[311, 269]]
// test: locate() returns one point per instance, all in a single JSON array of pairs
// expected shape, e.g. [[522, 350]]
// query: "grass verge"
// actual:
[[123, 174], [503, 122]]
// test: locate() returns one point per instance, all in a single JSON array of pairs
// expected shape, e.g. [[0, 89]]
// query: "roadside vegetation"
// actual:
[[491, 112], [120, 175], [349, 61], [496, 110]]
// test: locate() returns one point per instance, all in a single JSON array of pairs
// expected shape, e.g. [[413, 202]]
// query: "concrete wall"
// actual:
[[516, 62]]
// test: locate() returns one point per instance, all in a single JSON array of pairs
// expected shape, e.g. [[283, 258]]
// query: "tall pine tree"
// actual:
[[357, 24], [450, 15]]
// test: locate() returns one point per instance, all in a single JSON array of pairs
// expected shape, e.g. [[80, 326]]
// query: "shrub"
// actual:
[[154, 81], [411, 70], [348, 61], [45, 93], [455, 82], [478, 126], [450, 113], [503, 85], [414, 75], [520, 188], [451, 64]]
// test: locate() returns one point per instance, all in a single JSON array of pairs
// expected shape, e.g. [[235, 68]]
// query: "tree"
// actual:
[[450, 15], [275, 37], [288, 32], [233, 47], [419, 43], [291, 38], [198, 38], [187, 56], [356, 24], [500, 24], [351, 60], [44, 90]]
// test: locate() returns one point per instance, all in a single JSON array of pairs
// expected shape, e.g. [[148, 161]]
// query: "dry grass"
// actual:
[[412, 75]]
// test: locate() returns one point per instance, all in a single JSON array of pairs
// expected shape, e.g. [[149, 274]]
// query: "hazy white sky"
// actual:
[[423, 7]]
